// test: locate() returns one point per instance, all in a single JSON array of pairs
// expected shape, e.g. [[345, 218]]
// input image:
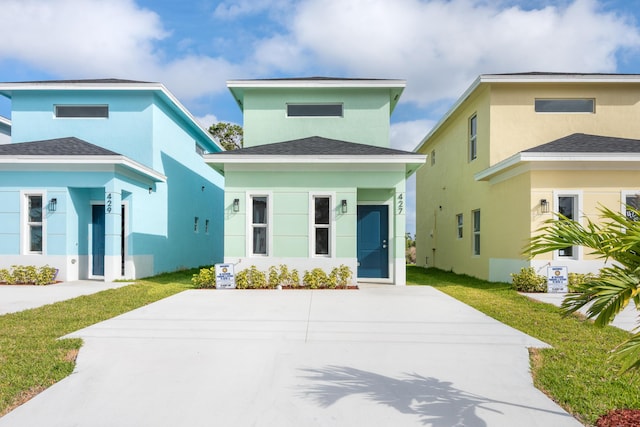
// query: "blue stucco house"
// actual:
[[104, 179]]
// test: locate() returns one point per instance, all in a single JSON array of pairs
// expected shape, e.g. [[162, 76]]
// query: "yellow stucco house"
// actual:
[[515, 149]]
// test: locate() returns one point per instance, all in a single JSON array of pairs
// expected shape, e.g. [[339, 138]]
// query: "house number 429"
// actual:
[[109, 203]]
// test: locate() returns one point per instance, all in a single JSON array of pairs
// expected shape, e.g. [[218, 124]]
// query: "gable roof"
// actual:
[[110, 84], [577, 150], [527, 77], [69, 146], [70, 153], [395, 86], [316, 150], [584, 143]]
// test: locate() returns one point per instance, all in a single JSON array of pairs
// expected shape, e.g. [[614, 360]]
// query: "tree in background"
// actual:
[[410, 248], [615, 238], [229, 135]]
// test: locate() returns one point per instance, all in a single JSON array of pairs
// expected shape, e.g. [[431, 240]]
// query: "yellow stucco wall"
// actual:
[[510, 203]]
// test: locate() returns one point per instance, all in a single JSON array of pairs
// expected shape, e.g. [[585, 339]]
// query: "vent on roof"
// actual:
[[82, 111]]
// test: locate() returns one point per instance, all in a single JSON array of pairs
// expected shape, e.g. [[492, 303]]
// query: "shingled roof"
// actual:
[[69, 146], [315, 146], [585, 143]]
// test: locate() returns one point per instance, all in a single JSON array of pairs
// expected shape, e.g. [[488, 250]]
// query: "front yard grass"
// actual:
[[575, 372], [32, 357]]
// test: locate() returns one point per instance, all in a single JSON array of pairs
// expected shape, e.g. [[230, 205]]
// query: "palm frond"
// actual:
[[627, 354]]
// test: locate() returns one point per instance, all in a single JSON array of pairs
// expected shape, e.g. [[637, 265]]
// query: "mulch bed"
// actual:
[[620, 418]]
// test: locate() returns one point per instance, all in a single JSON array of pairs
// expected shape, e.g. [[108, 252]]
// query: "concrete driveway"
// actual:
[[380, 356]]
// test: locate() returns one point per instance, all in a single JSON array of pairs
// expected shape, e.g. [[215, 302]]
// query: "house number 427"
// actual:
[[400, 202]]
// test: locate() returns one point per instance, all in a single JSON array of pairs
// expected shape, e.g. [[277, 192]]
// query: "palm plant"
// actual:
[[616, 239]]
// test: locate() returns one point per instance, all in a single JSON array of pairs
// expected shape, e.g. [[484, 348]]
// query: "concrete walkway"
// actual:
[[380, 356], [14, 298], [627, 319]]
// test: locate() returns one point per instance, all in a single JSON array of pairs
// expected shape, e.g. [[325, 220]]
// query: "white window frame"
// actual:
[[623, 198], [473, 137], [459, 226], [25, 225], [577, 195], [249, 222], [476, 232], [331, 226]]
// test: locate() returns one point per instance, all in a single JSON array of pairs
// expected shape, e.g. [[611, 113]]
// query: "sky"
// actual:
[[194, 46]]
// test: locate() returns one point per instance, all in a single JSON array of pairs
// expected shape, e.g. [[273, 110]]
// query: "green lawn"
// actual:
[[32, 357], [575, 372]]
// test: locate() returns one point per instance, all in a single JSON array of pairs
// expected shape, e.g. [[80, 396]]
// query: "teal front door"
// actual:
[[373, 241], [97, 240]]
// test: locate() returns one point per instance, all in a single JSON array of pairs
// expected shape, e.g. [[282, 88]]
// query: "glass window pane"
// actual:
[[260, 240], [473, 126], [84, 111], [322, 210], [634, 203], [476, 220], [322, 241], [314, 110], [35, 208], [476, 244], [564, 105], [565, 206], [259, 210], [35, 238]]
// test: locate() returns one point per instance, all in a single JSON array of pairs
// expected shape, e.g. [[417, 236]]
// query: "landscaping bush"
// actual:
[[578, 279], [28, 275], [315, 279], [205, 279], [251, 278], [527, 280]]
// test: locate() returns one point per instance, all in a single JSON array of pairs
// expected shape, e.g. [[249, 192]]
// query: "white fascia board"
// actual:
[[311, 83], [537, 78], [142, 86], [86, 160], [5, 121], [516, 159]]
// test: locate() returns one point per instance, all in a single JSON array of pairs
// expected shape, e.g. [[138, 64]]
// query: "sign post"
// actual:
[[557, 280], [225, 276]]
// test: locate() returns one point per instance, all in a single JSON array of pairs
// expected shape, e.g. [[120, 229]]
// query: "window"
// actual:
[[195, 224], [632, 201], [82, 111], [314, 110], [459, 225], [34, 219], [206, 226], [565, 105], [259, 224], [322, 225], [433, 157], [567, 207], [473, 140], [476, 232]]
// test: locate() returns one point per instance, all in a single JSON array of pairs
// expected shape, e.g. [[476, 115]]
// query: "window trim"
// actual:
[[472, 137], [57, 116], [593, 105], [249, 222], [312, 116], [25, 224], [331, 226], [476, 232], [460, 226], [577, 195]]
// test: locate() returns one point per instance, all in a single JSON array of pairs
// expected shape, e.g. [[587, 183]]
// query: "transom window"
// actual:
[[632, 201], [82, 111], [322, 225], [476, 232], [473, 137], [459, 224], [259, 224], [565, 105], [315, 110], [34, 219]]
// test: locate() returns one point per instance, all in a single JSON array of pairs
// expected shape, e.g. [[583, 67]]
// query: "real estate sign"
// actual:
[[557, 279], [225, 277]]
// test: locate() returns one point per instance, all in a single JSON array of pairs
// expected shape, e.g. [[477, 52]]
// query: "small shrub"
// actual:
[[274, 277], [295, 278], [28, 275], [577, 279], [288, 278], [205, 279], [6, 276], [315, 279], [251, 278], [45, 275], [527, 280]]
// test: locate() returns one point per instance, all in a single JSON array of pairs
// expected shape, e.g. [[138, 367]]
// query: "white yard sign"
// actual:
[[557, 280], [225, 277]]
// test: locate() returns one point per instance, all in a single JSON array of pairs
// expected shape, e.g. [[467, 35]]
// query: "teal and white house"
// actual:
[[316, 184], [105, 179]]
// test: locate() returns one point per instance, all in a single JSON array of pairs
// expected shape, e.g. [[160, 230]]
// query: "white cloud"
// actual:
[[441, 46], [240, 8], [207, 120]]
